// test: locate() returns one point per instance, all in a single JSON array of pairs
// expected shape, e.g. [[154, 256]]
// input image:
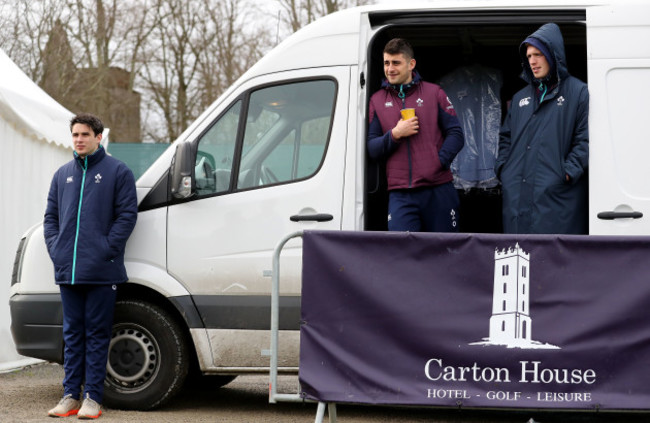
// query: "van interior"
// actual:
[[460, 51]]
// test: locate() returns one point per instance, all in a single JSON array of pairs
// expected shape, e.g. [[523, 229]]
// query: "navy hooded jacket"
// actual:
[[543, 140], [86, 229]]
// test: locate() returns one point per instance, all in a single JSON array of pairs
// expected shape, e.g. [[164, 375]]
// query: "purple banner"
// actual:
[[532, 321]]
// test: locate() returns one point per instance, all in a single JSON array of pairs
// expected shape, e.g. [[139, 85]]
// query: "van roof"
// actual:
[[311, 46]]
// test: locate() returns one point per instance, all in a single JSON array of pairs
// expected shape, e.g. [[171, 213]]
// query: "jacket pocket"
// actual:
[[107, 254]]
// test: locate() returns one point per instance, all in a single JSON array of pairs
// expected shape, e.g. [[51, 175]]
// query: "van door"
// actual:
[[618, 57], [273, 154]]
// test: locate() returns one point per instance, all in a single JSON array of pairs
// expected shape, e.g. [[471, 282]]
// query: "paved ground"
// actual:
[[26, 395]]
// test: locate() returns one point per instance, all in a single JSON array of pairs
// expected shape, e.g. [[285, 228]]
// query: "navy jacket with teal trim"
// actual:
[[86, 230]]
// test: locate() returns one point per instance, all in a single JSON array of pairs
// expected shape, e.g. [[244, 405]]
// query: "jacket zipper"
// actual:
[[76, 236], [408, 149]]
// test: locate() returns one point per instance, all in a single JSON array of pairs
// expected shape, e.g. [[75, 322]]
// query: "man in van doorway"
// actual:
[[414, 128], [544, 143], [91, 212]]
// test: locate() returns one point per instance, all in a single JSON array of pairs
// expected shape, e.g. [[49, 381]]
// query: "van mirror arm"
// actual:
[[182, 171]]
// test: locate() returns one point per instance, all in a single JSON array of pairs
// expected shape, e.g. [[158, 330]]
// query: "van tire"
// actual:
[[148, 358]]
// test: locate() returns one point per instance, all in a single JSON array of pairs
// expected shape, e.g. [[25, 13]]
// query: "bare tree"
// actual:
[[109, 34], [169, 68], [75, 49], [232, 45], [299, 13], [180, 55], [25, 26], [198, 48]]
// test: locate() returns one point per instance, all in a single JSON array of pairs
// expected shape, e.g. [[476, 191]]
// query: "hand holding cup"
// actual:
[[406, 127]]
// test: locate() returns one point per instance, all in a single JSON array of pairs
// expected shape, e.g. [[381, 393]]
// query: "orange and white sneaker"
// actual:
[[68, 406], [90, 409]]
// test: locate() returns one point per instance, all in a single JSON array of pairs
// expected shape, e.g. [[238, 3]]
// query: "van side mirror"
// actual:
[[182, 171]]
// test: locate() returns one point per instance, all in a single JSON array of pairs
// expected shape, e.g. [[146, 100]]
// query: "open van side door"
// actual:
[[618, 57]]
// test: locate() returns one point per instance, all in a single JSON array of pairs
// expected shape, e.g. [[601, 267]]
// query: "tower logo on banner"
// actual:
[[510, 323]]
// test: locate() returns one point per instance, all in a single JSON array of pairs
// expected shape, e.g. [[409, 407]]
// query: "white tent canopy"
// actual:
[[34, 140]]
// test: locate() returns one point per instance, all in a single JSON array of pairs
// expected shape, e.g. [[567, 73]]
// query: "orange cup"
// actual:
[[407, 113]]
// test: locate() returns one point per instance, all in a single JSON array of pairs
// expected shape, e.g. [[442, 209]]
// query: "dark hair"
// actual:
[[399, 46], [87, 119]]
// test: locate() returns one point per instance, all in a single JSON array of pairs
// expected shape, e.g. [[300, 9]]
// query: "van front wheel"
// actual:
[[147, 358]]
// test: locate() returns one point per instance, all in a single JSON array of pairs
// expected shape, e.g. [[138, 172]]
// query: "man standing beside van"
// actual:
[[544, 143], [91, 212], [418, 149]]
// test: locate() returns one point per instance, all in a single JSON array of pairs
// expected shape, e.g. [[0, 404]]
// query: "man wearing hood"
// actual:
[[418, 150], [544, 143]]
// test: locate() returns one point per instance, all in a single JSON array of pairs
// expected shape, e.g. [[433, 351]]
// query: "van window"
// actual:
[[286, 133], [284, 139], [215, 153]]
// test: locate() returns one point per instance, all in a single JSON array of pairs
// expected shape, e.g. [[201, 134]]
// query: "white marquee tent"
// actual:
[[34, 140]]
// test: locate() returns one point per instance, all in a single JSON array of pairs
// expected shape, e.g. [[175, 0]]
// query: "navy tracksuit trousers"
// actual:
[[425, 209], [87, 324]]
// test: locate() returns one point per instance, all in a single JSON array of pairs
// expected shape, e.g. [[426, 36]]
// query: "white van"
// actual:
[[284, 149]]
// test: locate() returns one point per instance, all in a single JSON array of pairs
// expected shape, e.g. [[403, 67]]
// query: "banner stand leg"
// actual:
[[320, 412], [331, 410], [275, 329]]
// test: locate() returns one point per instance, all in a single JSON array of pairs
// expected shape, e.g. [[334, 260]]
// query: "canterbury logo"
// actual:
[[524, 102], [449, 105]]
